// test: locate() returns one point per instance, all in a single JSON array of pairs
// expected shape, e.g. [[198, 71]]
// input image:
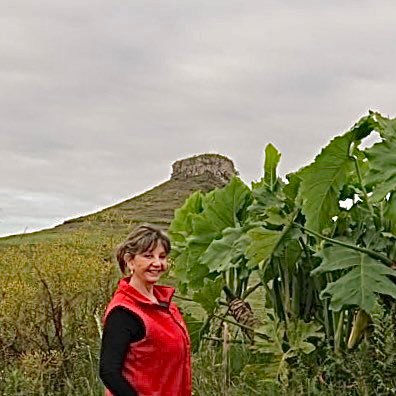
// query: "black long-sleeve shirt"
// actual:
[[122, 328]]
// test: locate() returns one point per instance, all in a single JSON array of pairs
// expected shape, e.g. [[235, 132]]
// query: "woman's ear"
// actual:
[[128, 258]]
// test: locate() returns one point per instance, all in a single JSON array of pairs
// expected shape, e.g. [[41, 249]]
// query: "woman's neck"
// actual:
[[146, 289]]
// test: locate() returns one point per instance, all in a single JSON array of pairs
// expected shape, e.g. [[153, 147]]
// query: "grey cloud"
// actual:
[[98, 98]]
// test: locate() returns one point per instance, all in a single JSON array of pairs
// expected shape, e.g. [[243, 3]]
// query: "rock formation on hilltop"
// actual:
[[215, 164]]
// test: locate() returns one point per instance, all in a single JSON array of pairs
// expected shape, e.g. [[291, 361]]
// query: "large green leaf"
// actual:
[[290, 249], [272, 157], [224, 253], [263, 243], [208, 294], [280, 344], [291, 190], [266, 202], [390, 212], [270, 335], [197, 272], [180, 231], [361, 285], [272, 346], [221, 209], [298, 333], [324, 178], [386, 126], [267, 192], [179, 267], [181, 225], [381, 177], [188, 248]]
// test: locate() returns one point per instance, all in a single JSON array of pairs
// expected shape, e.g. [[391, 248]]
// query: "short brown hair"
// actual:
[[143, 238]]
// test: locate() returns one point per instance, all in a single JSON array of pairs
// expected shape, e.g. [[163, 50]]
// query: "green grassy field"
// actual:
[[56, 283]]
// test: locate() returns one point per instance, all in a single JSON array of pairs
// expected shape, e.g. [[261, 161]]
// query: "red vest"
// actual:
[[159, 364]]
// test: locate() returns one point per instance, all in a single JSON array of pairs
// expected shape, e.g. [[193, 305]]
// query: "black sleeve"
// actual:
[[121, 328]]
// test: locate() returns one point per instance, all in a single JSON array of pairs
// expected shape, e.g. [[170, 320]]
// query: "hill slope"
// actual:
[[203, 173]]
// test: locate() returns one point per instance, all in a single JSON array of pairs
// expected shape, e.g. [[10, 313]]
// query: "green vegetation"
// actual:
[[326, 269], [319, 276]]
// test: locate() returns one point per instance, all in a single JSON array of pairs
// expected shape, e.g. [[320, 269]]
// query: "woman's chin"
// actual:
[[153, 279]]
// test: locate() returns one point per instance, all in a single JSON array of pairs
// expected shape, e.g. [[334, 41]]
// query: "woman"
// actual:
[[145, 346]]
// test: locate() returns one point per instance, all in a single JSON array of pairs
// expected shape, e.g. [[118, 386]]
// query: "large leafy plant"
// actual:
[[322, 242]]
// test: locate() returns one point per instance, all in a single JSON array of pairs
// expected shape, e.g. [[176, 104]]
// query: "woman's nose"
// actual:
[[157, 261]]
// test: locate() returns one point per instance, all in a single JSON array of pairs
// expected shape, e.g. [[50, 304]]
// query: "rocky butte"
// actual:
[[214, 164]]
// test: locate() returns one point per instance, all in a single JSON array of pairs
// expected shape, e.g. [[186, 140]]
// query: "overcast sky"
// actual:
[[98, 98]]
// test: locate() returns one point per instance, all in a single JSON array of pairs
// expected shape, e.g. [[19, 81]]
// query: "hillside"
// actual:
[[199, 173]]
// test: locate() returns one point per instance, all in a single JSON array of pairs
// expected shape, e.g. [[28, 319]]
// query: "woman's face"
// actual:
[[147, 267]]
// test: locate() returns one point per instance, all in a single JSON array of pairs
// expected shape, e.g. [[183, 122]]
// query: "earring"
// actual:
[[130, 269]]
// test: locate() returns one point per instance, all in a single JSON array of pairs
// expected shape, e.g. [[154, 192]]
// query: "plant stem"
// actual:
[[241, 326], [204, 326], [221, 340], [286, 291], [251, 289], [338, 334], [329, 279], [348, 326], [231, 280], [326, 319], [282, 294], [191, 300], [366, 197], [370, 252]]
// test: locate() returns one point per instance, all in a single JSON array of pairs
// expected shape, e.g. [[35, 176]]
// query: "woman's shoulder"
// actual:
[[122, 314]]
